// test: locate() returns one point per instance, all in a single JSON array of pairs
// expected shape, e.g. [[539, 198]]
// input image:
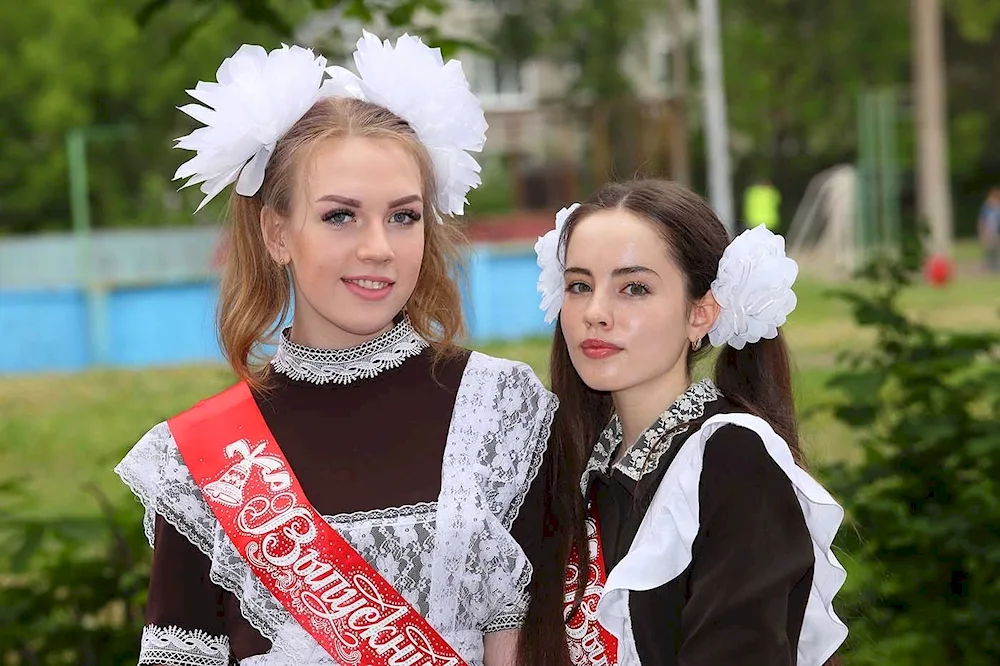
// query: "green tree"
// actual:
[[924, 502], [82, 63], [92, 63], [976, 19], [794, 70], [73, 589], [399, 14]]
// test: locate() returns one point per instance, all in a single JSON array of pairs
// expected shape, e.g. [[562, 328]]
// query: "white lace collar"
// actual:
[[645, 454], [343, 366]]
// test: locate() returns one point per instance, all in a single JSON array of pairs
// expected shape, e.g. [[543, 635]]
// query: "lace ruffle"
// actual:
[[661, 550], [455, 560], [343, 366], [182, 647], [645, 453], [500, 429]]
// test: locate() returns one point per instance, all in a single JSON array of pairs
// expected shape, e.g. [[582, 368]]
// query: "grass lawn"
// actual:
[[63, 433]]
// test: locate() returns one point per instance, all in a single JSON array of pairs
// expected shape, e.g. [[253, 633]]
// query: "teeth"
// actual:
[[370, 284]]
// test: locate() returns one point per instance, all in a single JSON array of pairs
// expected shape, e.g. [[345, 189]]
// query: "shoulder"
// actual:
[[737, 462], [502, 366], [507, 376], [503, 416], [508, 392], [735, 447]]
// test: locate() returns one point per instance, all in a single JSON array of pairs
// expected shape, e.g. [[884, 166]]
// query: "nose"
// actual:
[[374, 245], [597, 313]]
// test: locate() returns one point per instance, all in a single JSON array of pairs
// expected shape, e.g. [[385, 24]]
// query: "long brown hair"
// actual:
[[756, 378], [255, 292]]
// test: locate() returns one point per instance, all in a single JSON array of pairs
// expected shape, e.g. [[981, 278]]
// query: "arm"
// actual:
[[500, 648], [752, 560], [184, 611]]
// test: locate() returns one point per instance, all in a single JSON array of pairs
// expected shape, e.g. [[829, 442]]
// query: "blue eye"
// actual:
[[405, 217], [636, 289], [339, 216]]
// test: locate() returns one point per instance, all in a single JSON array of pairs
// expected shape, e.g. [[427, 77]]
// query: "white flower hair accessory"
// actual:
[[413, 81], [550, 261], [753, 289], [257, 98]]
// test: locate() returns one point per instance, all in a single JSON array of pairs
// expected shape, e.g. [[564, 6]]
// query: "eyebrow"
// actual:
[[354, 203], [624, 270]]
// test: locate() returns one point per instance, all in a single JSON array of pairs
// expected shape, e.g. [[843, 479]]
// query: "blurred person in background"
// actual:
[[762, 205], [989, 230], [365, 496]]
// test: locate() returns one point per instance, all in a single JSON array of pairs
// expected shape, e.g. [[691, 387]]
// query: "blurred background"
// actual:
[[866, 133]]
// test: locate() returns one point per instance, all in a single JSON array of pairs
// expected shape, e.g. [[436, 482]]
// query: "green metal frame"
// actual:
[[79, 193], [877, 214]]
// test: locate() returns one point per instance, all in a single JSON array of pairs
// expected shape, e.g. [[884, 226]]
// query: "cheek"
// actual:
[[409, 251], [571, 321], [657, 322], [316, 249]]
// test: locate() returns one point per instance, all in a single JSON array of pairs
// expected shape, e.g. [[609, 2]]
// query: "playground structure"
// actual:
[[851, 211]]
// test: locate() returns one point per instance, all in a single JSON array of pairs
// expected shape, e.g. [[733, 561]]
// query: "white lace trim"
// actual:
[[414, 513], [662, 547], [500, 406], [173, 646], [643, 457], [343, 366], [454, 560]]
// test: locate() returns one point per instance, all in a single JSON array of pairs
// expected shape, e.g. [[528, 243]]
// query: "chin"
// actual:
[[599, 375], [604, 384], [364, 323]]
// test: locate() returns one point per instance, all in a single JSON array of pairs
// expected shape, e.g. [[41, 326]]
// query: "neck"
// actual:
[[639, 406], [318, 333]]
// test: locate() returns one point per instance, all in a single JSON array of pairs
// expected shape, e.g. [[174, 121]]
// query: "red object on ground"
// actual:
[[938, 270]]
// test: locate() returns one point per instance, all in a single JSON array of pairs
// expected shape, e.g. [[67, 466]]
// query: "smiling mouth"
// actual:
[[373, 285]]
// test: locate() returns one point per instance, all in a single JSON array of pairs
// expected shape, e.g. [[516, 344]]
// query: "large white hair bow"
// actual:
[[753, 289], [753, 286], [259, 96], [550, 264]]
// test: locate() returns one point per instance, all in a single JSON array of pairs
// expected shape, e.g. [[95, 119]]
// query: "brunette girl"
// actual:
[[706, 542]]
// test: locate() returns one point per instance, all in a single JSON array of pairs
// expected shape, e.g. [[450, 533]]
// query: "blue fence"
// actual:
[[147, 298]]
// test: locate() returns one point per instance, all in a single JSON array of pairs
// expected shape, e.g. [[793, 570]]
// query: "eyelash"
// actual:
[[328, 217], [572, 288], [644, 288], [412, 215]]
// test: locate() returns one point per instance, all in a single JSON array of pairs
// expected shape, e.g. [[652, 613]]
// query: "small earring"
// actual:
[[696, 345]]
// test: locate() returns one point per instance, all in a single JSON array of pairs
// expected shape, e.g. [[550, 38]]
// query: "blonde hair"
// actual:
[[255, 292]]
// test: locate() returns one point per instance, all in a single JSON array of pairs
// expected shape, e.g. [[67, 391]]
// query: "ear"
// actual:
[[704, 312], [272, 228]]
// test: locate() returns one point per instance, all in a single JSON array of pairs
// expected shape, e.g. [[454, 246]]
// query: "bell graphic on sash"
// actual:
[[228, 489]]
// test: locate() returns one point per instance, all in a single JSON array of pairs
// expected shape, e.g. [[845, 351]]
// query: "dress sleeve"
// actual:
[[518, 438], [752, 561], [528, 531], [184, 611]]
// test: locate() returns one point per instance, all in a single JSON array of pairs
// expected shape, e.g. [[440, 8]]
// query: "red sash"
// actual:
[[590, 644], [347, 606]]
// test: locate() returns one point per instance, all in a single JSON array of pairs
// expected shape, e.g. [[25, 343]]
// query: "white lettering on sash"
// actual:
[[352, 605]]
